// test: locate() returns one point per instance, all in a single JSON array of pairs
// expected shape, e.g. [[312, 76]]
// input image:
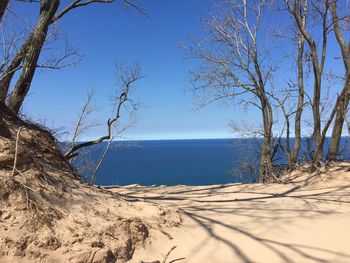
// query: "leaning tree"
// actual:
[[25, 61]]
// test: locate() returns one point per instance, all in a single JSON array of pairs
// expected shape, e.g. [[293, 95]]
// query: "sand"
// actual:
[[304, 220]]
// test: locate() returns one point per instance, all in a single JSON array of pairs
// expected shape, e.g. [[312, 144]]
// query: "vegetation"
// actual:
[[239, 61]]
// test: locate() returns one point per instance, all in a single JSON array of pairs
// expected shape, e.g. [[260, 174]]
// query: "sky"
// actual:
[[109, 34]]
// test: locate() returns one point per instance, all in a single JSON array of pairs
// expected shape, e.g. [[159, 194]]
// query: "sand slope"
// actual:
[[305, 220], [47, 214]]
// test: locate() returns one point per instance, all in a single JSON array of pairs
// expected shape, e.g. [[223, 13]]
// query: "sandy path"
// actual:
[[308, 221]]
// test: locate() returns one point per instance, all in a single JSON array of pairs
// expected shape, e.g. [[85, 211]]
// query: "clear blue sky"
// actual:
[[109, 34]]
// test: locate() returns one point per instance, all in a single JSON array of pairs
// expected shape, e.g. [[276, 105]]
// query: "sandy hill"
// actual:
[[48, 215]]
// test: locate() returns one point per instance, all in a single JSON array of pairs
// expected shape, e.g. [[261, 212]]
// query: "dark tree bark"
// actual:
[[7, 75], [27, 56], [344, 94], [48, 9], [3, 6], [344, 101], [266, 167], [337, 129]]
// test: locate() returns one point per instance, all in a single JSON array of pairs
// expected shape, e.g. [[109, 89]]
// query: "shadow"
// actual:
[[227, 211], [273, 245], [303, 176]]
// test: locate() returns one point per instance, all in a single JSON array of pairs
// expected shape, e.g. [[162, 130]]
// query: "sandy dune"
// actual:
[[305, 220]]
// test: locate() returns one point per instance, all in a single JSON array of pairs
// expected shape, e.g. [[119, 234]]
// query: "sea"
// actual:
[[183, 162]]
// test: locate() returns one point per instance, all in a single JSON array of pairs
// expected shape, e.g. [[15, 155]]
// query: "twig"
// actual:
[[178, 259], [167, 254], [16, 153], [93, 255], [274, 177]]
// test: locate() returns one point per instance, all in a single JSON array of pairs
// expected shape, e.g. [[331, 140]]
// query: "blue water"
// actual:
[[172, 162]]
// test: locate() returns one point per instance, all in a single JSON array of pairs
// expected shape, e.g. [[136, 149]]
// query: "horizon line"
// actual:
[[191, 138]]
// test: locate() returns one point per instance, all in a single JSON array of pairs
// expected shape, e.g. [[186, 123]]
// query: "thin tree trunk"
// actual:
[[344, 94], [318, 65], [317, 119], [266, 168], [289, 154], [100, 160], [47, 11], [318, 71], [297, 128], [297, 124], [337, 129]]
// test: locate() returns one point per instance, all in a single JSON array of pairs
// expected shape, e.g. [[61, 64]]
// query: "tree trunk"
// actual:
[[297, 124], [337, 129], [266, 168], [288, 152], [3, 6], [317, 121], [317, 65], [343, 96], [7, 75], [343, 104], [47, 11]]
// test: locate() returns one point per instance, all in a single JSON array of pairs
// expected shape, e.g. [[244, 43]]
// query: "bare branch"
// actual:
[[80, 3], [127, 77]]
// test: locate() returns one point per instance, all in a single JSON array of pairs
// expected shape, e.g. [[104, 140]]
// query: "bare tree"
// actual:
[[344, 101], [234, 64], [28, 54], [83, 124], [127, 78], [318, 62]]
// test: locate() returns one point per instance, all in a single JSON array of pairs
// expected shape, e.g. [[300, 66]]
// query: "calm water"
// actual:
[[189, 162]]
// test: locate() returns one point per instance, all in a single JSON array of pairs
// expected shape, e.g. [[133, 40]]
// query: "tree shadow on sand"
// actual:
[[256, 205]]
